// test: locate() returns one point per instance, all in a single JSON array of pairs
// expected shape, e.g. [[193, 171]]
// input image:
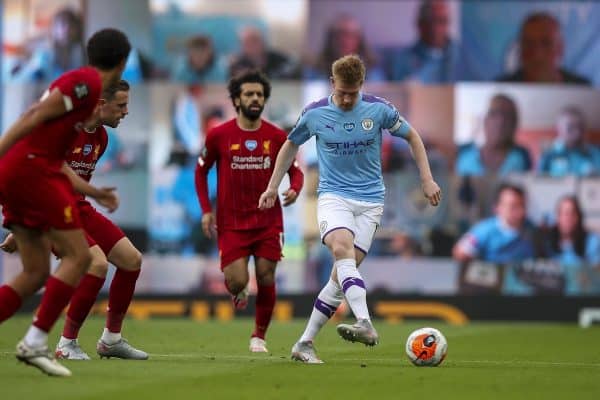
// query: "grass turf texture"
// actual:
[[211, 360]]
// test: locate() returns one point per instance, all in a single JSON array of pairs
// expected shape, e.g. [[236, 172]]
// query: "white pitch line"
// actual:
[[276, 358], [386, 360]]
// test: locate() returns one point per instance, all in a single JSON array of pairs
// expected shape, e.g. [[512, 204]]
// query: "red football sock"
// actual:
[[81, 303], [55, 299], [265, 302], [10, 302], [119, 298]]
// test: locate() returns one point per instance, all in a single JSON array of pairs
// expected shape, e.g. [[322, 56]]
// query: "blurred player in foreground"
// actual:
[[107, 242], [38, 200]]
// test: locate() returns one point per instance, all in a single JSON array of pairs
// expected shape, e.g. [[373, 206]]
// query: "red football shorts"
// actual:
[[264, 242], [35, 196], [99, 230]]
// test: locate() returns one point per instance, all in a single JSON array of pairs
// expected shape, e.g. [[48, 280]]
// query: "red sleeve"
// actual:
[[296, 177], [207, 158], [103, 141], [79, 88]]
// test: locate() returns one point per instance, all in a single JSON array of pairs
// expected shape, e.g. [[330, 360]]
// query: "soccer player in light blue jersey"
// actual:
[[348, 126]]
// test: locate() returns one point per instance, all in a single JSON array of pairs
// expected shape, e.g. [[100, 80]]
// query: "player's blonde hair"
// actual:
[[349, 69]]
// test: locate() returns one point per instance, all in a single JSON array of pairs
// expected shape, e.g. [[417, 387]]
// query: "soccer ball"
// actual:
[[426, 347]]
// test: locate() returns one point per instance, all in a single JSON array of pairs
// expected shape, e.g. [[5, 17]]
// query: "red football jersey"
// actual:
[[245, 161], [81, 89], [87, 148]]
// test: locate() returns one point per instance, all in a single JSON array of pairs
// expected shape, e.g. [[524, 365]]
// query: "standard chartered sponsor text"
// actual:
[[251, 162]]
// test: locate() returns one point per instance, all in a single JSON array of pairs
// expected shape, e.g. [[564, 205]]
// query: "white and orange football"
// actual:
[[426, 347]]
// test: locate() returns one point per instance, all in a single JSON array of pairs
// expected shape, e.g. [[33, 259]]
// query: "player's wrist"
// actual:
[[426, 179], [93, 192]]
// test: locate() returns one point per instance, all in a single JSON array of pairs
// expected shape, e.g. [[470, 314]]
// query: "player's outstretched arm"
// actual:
[[203, 166], [105, 196], [296, 183], [52, 106], [284, 160], [460, 255], [431, 190]]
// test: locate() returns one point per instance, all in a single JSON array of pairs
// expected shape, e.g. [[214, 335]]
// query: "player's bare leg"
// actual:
[[341, 245], [36, 268], [128, 261], [81, 303], [71, 244], [236, 281], [265, 302], [326, 304]]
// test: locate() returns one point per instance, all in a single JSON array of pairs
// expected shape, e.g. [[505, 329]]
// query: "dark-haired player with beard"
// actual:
[[245, 149]]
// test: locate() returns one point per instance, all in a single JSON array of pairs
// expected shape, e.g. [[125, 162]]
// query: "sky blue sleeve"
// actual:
[[394, 122], [301, 131], [592, 249], [475, 240], [596, 157]]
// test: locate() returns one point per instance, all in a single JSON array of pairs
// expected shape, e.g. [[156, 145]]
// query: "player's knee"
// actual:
[[265, 278], [82, 259], [98, 267], [132, 261], [340, 250], [235, 284], [37, 278], [136, 261]]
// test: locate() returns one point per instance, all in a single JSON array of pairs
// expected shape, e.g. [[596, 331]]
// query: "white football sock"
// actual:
[[109, 337], [325, 305], [353, 287], [35, 337], [63, 341]]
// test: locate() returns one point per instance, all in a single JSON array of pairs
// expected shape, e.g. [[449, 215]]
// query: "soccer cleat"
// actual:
[[40, 358], [240, 300], [121, 349], [70, 351], [258, 345], [305, 352], [362, 331]]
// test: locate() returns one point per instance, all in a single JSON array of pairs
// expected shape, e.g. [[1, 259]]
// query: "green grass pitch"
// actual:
[[210, 360]]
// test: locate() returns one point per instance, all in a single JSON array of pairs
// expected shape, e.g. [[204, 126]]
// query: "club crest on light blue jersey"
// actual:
[[367, 124], [349, 126]]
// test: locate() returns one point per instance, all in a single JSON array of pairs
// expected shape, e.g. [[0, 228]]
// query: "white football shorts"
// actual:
[[360, 217]]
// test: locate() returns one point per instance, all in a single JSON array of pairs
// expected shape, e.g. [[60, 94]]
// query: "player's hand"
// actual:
[[432, 192], [208, 224], [9, 244], [267, 199], [108, 198], [289, 197]]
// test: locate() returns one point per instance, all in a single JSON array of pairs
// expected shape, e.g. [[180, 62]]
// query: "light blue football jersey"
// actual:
[[349, 144]]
